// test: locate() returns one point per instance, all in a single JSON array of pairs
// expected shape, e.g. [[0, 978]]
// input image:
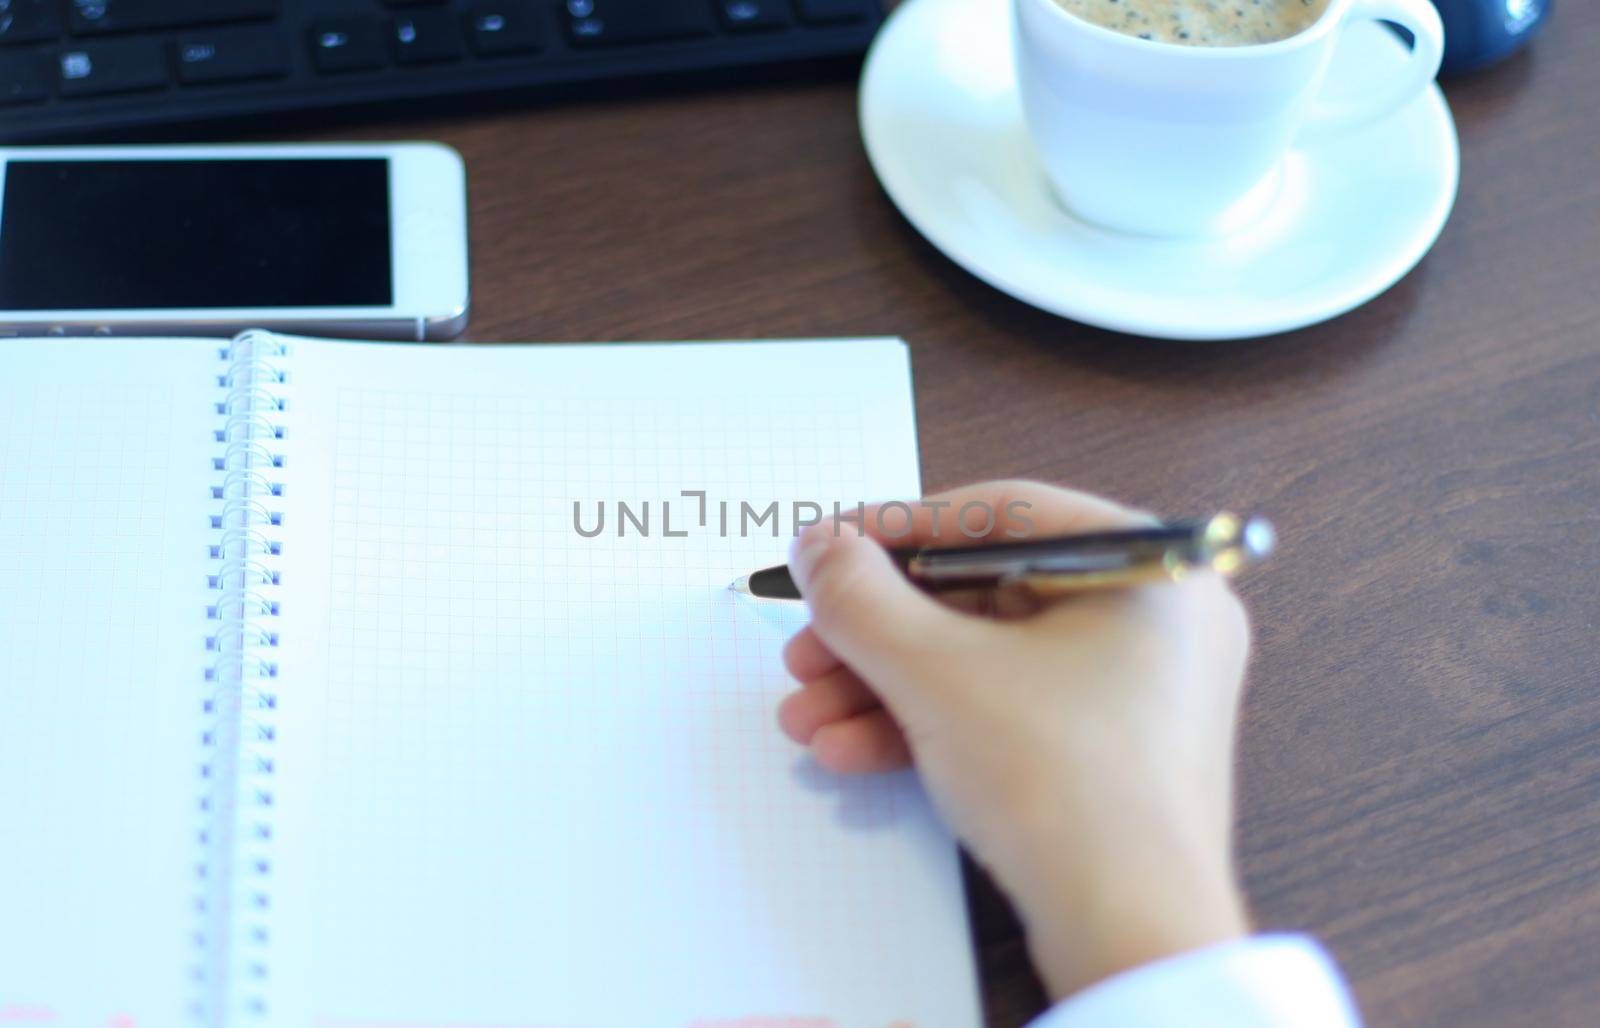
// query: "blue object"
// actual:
[[1477, 33]]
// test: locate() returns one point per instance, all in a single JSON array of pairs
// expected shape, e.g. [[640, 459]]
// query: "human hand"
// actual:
[[1080, 747]]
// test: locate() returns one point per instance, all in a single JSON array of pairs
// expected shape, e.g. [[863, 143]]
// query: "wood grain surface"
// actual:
[[1420, 754]]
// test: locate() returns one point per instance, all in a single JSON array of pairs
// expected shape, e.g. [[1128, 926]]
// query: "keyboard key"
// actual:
[[92, 17], [825, 11], [502, 29], [608, 22], [29, 21], [426, 37], [231, 55], [25, 77], [753, 14], [113, 66], [347, 44]]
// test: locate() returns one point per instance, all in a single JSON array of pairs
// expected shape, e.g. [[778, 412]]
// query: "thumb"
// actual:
[[866, 610]]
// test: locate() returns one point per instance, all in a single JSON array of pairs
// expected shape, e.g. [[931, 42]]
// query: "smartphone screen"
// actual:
[[195, 234]]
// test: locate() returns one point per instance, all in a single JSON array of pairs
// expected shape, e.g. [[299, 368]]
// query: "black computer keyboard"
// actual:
[[86, 69]]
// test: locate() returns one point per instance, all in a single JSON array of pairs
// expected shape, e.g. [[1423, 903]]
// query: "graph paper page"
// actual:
[[527, 777], [105, 475]]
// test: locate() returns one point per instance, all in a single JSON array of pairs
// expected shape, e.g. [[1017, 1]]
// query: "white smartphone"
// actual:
[[350, 240]]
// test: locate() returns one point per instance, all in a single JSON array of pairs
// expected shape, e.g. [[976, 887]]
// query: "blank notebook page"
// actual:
[[105, 476], [531, 778]]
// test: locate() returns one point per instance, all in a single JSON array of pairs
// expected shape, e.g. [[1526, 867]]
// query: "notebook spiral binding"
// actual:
[[234, 871]]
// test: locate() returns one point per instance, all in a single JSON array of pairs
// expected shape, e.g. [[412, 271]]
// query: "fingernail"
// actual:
[[806, 551]]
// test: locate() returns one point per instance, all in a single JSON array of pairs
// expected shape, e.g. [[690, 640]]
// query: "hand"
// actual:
[[1081, 748]]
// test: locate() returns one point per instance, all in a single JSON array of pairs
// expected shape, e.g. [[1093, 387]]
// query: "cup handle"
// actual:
[[1383, 98]]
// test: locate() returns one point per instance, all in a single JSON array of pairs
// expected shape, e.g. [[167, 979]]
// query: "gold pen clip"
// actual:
[[1230, 542], [1225, 544]]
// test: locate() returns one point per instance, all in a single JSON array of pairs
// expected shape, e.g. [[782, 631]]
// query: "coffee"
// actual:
[[1201, 22]]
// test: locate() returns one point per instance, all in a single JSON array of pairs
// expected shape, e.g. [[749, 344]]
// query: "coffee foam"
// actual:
[[1201, 22]]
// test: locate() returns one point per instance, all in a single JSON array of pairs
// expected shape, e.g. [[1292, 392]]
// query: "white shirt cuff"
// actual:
[[1268, 981]]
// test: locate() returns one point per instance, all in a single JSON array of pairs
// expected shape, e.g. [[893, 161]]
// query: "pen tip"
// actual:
[[740, 584]]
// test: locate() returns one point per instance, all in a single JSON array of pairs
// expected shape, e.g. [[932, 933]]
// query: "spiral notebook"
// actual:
[[324, 703]]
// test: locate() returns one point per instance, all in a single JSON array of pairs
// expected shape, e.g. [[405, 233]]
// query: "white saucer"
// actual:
[[943, 128]]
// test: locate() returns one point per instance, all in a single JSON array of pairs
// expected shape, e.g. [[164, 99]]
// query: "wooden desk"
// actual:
[[1420, 759]]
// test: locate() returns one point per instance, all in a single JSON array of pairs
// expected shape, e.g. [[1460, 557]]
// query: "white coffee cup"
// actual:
[[1170, 140]]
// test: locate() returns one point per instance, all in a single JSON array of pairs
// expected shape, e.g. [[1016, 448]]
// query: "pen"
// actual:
[[1062, 564]]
